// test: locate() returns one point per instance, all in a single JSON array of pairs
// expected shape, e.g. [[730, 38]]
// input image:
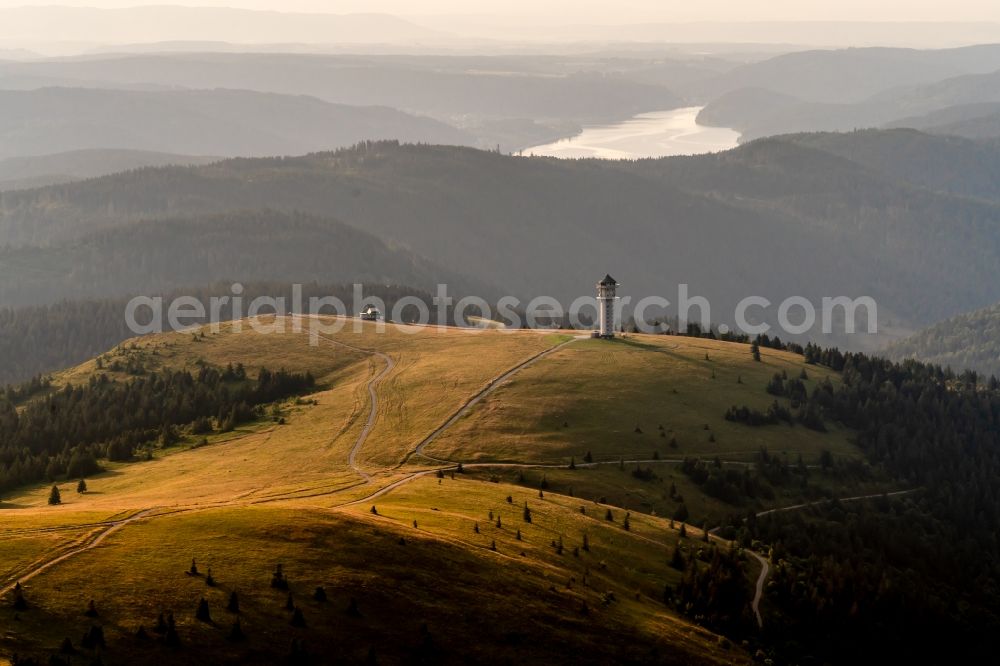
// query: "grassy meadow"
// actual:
[[612, 397], [412, 586], [282, 490]]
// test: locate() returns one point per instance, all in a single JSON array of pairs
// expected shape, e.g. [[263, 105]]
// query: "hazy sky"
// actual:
[[612, 11]]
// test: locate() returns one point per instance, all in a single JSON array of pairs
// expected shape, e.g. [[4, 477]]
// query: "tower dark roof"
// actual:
[[608, 280]]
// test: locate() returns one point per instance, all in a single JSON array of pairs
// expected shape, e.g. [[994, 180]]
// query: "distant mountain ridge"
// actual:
[[968, 341], [29, 172], [958, 120], [979, 127], [52, 24], [441, 87], [767, 112], [951, 164], [810, 216], [165, 254], [198, 122], [853, 75]]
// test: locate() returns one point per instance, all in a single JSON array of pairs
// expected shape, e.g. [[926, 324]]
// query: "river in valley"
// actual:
[[654, 134]]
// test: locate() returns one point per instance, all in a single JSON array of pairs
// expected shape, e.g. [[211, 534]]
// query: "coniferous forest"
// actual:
[[914, 576], [65, 433]]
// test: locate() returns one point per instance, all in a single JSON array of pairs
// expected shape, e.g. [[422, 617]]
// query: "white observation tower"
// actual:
[[606, 307]]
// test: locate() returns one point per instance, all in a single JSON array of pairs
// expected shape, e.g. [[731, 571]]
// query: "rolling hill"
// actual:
[[847, 76], [778, 201], [950, 164], [299, 491], [979, 127], [759, 112], [762, 112], [934, 121], [296, 480], [454, 89], [18, 173], [166, 254], [974, 121], [745, 108], [429, 470], [969, 341], [204, 122]]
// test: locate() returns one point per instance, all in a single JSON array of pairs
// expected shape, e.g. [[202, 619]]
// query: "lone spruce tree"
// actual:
[[203, 613], [54, 496], [19, 602]]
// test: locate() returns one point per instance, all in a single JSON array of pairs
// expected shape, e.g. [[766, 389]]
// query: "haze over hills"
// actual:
[[522, 100], [18, 54], [943, 163], [51, 25], [842, 76], [846, 76], [167, 254], [203, 122], [969, 341], [68, 30], [729, 32], [776, 201], [975, 121], [512, 101], [28, 172], [766, 112], [515, 101]]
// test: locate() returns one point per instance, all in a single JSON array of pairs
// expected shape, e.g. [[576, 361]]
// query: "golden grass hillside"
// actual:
[[612, 397], [433, 591], [299, 490]]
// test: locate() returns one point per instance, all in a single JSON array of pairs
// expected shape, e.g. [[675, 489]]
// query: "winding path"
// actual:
[[372, 393], [839, 499], [765, 570], [765, 567], [93, 541]]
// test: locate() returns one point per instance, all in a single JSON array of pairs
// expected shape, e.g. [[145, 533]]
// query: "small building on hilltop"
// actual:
[[370, 313]]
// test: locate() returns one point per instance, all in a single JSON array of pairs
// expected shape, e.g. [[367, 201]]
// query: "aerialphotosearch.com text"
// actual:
[[326, 315]]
